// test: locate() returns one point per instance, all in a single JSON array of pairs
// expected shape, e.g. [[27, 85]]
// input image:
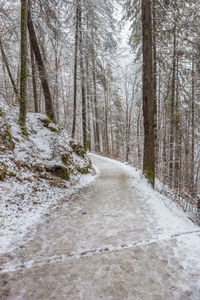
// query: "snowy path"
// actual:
[[110, 241]]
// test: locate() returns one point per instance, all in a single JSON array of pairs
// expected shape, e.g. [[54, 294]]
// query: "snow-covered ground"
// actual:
[[115, 239], [170, 217], [17, 216], [28, 192], [171, 222]]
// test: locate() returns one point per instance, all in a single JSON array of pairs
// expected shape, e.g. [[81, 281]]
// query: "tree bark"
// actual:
[[97, 137], [83, 93], [177, 136], [23, 70], [106, 139], [41, 68], [148, 100], [34, 80], [155, 78], [88, 102], [75, 67], [9, 71], [193, 130], [138, 140], [171, 164]]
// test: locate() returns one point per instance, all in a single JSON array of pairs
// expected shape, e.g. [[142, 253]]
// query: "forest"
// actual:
[[99, 149], [75, 66]]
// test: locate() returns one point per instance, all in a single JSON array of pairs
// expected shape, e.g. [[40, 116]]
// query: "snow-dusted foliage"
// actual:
[[36, 171]]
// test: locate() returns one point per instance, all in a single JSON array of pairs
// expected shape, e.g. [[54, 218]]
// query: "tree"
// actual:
[[82, 71], [36, 108], [40, 65], [23, 71], [75, 66], [148, 99], [9, 71]]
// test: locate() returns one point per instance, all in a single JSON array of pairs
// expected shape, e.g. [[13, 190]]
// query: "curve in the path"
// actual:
[[111, 220]]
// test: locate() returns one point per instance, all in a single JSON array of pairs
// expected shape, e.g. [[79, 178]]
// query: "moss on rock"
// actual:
[[49, 124], [45, 122], [59, 171], [53, 129], [7, 140], [66, 159], [38, 168], [77, 148], [83, 170], [11, 174], [3, 171]]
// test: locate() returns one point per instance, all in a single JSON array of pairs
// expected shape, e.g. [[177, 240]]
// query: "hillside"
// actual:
[[36, 171]]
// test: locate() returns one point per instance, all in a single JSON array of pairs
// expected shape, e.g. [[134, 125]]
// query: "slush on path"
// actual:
[[115, 239]]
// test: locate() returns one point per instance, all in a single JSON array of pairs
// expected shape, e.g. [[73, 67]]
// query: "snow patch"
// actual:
[[26, 194]]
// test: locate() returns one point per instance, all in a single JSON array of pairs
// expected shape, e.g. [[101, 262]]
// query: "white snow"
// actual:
[[170, 220], [15, 221], [170, 217], [25, 197], [135, 237]]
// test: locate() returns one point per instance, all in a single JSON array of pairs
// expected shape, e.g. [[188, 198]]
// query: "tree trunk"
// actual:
[[23, 71], [155, 79], [106, 139], [177, 137], [83, 93], [138, 138], [75, 67], [56, 89], [9, 71], [88, 91], [88, 105], [34, 80], [148, 100], [41, 68], [187, 151], [97, 137], [171, 164], [193, 127], [111, 132], [164, 151]]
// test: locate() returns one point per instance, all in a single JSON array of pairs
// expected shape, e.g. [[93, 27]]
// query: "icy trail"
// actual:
[[112, 240]]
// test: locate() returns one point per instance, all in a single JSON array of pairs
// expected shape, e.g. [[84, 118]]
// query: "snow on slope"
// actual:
[[29, 185]]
